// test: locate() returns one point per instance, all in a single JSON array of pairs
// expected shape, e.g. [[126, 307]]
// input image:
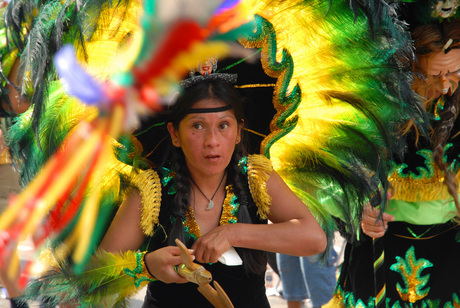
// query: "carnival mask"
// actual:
[[442, 71], [444, 8]]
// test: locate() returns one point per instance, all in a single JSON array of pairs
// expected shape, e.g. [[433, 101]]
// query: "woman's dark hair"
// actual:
[[224, 92]]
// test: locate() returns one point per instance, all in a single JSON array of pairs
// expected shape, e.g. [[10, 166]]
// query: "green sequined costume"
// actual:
[[422, 246]]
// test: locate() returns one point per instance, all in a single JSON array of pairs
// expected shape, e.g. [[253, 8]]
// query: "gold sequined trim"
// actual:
[[259, 169], [149, 185], [424, 189], [228, 210], [145, 271], [227, 216], [140, 273], [414, 287], [190, 223]]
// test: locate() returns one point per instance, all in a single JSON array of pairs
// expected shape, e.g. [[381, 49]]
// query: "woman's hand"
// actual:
[[369, 223], [161, 263], [209, 247]]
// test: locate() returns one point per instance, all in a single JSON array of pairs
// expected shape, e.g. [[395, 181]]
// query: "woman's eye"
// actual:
[[224, 125], [198, 126]]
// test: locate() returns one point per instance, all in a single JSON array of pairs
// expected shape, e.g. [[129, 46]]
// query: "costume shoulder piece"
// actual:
[[149, 185], [258, 169]]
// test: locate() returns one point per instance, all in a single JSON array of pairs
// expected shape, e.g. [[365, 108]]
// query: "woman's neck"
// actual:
[[207, 217], [208, 187], [208, 183]]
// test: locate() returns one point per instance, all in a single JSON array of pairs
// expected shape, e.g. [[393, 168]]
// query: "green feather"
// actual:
[[103, 281], [366, 80]]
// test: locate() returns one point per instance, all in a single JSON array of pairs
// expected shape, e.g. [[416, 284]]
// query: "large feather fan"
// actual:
[[342, 92]]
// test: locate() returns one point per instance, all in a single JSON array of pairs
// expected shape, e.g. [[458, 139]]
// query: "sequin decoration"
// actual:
[[410, 270], [230, 208], [167, 175], [242, 164], [428, 185], [140, 274], [229, 214], [346, 299], [191, 227]]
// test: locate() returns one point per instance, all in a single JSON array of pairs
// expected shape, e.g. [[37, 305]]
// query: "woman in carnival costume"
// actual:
[[419, 230], [212, 197]]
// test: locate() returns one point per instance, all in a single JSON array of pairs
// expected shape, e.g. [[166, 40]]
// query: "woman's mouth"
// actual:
[[212, 157]]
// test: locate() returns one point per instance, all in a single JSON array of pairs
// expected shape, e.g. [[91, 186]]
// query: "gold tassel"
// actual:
[[424, 189], [149, 185], [259, 169]]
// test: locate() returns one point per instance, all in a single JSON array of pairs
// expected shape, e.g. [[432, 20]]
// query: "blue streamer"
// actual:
[[76, 80]]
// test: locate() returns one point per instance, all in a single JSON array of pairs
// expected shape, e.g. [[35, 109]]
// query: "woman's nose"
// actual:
[[211, 138]]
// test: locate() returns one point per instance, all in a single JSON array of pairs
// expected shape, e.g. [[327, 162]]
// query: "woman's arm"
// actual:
[[126, 234], [294, 230]]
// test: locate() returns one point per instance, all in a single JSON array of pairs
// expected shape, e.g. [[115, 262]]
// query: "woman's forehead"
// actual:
[[210, 108]]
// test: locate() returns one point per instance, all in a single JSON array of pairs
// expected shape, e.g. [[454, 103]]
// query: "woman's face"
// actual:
[[207, 139], [442, 73]]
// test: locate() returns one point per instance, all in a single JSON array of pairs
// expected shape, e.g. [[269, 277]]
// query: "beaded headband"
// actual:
[[230, 78]]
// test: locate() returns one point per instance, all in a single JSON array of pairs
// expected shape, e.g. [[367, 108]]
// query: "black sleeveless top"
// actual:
[[244, 288]]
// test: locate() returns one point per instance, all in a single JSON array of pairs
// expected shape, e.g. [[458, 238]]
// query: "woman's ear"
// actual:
[[240, 127], [174, 135]]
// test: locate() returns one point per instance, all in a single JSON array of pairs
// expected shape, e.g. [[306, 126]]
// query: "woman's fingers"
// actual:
[[372, 223], [209, 247], [162, 264]]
